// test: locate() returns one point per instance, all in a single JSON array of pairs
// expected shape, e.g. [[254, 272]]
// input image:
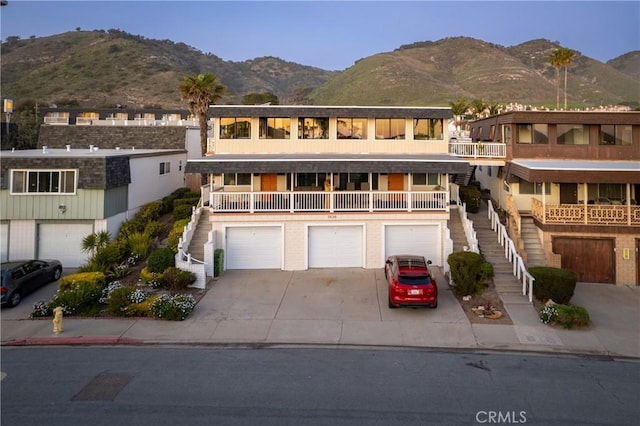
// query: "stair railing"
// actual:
[[183, 258], [467, 225], [510, 252]]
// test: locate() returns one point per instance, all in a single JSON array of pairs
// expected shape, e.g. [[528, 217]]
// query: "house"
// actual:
[[570, 184], [297, 187], [85, 177]]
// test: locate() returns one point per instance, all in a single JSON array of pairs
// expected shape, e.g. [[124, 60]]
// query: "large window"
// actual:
[[313, 128], [390, 128], [235, 128], [533, 133], [573, 134], [235, 179], [311, 179], [427, 128], [275, 128], [43, 182], [426, 179], [352, 128], [615, 134], [526, 187]]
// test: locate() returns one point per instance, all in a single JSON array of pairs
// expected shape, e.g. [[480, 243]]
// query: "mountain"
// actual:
[[104, 68]]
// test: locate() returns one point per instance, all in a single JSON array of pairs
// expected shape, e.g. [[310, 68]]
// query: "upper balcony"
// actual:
[[586, 214], [478, 150]]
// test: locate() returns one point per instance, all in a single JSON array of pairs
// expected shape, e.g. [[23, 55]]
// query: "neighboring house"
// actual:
[[84, 179], [575, 177], [297, 187]]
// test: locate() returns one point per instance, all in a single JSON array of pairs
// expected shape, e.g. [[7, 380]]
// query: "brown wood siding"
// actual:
[[591, 258]]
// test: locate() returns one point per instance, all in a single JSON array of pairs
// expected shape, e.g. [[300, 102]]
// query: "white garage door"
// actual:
[[257, 247], [335, 246], [63, 242], [4, 241], [413, 239]]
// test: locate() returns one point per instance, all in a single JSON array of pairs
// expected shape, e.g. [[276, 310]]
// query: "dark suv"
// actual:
[[21, 277], [410, 282]]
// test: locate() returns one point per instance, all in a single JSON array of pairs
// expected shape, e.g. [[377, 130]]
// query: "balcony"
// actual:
[[339, 201], [478, 149], [586, 214]]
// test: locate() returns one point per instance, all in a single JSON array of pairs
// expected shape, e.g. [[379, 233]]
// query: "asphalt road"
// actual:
[[310, 386]]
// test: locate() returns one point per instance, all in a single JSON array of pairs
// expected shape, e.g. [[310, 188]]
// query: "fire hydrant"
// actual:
[[57, 320]]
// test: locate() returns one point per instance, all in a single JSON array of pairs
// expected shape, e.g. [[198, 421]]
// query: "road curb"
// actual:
[[73, 341]]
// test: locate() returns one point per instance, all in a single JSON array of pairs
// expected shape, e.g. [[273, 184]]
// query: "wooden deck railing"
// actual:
[[587, 214], [478, 149]]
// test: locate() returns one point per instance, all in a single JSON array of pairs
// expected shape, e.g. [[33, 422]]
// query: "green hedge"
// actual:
[[469, 272], [218, 262], [182, 212], [553, 283], [471, 196], [161, 259]]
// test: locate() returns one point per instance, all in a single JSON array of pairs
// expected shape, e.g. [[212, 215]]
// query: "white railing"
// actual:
[[83, 121], [303, 201], [56, 120], [478, 149], [510, 252], [183, 256], [467, 225]]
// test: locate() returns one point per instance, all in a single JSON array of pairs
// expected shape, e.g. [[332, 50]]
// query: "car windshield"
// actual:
[[426, 279]]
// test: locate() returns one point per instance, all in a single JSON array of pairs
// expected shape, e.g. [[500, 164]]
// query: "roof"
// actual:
[[85, 153], [328, 111], [357, 163], [582, 171]]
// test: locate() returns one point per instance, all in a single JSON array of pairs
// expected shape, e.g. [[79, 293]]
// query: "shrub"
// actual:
[[182, 212], [119, 299], [564, 315], [469, 272], [186, 202], [154, 228], [79, 298], [117, 272], [130, 227], [148, 212], [105, 259], [218, 262], [471, 196], [106, 291], [152, 279], [178, 279], [176, 233], [553, 283], [69, 281], [174, 308], [139, 243], [142, 309], [41, 309], [161, 259]]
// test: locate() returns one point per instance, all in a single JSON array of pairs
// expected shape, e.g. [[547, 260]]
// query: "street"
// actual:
[[311, 386]]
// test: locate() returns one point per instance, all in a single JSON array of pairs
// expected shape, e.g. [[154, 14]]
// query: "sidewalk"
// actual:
[[343, 307]]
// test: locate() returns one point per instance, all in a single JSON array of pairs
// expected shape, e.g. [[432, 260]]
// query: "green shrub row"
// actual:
[[471, 195], [218, 262], [567, 316]]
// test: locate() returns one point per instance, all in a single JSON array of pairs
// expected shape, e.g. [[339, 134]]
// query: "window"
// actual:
[[506, 134], [352, 128], [165, 168], [311, 179], [533, 133], [390, 128], [235, 128], [426, 179], [573, 134], [492, 132], [313, 128], [43, 181], [427, 128], [533, 187], [615, 134], [275, 128], [235, 179]]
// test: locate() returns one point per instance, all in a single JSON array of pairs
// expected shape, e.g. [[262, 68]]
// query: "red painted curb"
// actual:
[[32, 341]]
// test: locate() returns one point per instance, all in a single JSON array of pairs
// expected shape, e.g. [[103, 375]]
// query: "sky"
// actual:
[[333, 35]]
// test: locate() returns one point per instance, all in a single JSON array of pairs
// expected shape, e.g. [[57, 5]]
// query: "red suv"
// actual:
[[410, 282]]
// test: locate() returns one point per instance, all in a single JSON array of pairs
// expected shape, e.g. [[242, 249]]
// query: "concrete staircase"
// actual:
[[196, 247], [532, 244], [456, 230]]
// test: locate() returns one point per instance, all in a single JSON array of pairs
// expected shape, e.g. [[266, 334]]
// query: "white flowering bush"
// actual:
[[106, 292], [548, 314], [138, 296], [174, 308]]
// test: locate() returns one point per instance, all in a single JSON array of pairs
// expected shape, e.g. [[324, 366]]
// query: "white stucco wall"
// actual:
[[147, 184]]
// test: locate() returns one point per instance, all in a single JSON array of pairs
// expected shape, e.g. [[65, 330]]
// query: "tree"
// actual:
[[260, 99], [95, 242], [567, 56], [200, 91], [25, 133], [555, 60], [479, 108], [459, 109]]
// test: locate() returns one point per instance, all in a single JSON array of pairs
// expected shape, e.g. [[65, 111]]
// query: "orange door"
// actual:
[[269, 182], [396, 182]]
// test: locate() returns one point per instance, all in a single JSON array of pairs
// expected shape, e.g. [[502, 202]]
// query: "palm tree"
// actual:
[[566, 58], [556, 60], [458, 109], [494, 108], [95, 242], [479, 108], [200, 91]]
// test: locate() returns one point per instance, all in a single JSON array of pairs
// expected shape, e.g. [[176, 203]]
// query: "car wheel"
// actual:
[[391, 305], [435, 305], [57, 274], [15, 298]]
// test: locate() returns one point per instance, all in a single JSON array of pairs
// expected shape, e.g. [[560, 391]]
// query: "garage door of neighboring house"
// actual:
[[254, 247], [422, 240], [335, 246], [592, 259], [63, 242], [4, 241]]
